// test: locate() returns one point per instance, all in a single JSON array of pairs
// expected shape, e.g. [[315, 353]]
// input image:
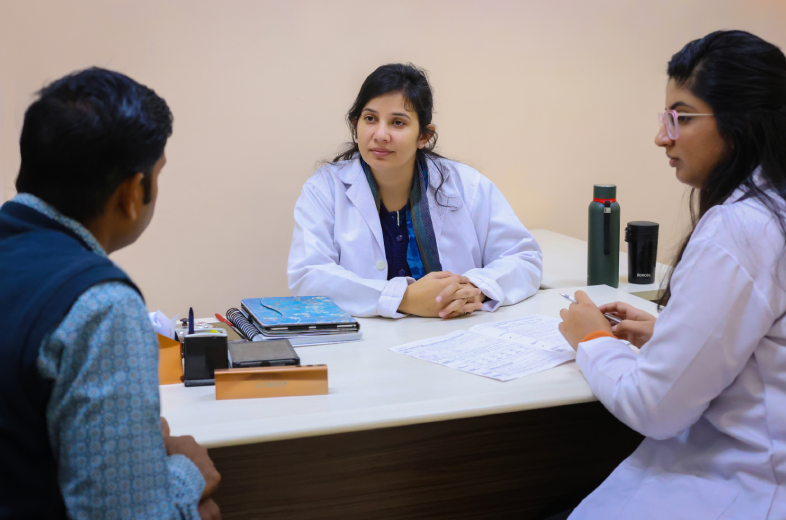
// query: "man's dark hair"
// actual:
[[86, 134]]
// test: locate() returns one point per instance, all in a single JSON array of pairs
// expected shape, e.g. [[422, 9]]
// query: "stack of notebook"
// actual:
[[303, 320]]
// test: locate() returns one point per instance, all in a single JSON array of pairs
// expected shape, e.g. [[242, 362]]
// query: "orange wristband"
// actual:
[[597, 334]]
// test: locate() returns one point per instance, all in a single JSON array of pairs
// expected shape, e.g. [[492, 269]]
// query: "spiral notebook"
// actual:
[[298, 315]]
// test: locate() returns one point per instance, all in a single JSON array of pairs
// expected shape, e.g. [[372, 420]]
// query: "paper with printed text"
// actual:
[[503, 350]]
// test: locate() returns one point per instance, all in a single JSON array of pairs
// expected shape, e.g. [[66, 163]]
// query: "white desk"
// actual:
[[398, 437], [565, 264], [372, 387]]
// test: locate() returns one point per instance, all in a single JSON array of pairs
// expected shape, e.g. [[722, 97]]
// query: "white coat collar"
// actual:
[[359, 194]]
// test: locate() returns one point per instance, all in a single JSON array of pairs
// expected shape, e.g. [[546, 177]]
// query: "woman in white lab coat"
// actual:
[[708, 388], [391, 228]]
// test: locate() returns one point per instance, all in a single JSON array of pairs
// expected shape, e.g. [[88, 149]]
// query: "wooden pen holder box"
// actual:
[[251, 383]]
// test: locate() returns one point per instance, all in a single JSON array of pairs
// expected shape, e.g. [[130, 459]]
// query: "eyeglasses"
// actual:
[[671, 117]]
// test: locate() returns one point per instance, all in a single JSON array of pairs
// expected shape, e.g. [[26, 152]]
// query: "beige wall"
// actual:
[[544, 98]]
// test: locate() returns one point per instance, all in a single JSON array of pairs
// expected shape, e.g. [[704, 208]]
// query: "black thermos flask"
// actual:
[[642, 239]]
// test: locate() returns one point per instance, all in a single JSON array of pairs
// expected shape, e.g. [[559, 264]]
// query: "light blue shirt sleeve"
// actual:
[[103, 416]]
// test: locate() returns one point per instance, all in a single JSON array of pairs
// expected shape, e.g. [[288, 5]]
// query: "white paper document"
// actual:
[[162, 324], [503, 350]]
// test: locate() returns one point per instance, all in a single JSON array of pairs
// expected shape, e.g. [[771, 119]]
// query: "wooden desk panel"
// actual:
[[498, 466]]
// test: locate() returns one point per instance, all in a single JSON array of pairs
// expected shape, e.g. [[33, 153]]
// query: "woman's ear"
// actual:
[[426, 135], [354, 122]]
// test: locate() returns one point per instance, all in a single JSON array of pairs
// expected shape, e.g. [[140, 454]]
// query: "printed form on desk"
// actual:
[[503, 350]]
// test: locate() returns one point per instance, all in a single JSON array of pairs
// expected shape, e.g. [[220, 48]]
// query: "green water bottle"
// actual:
[[603, 244]]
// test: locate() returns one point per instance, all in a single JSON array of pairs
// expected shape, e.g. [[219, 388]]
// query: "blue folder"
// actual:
[[298, 315]]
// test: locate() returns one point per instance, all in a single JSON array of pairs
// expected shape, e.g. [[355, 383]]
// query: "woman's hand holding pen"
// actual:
[[441, 294], [582, 318], [636, 325]]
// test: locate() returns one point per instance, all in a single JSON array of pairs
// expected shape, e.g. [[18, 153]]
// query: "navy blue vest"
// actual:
[[44, 268]]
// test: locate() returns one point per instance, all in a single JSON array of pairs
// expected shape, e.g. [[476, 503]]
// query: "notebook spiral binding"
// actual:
[[241, 322]]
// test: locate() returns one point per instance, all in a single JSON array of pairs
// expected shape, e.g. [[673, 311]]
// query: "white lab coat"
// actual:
[[337, 247], [709, 389]]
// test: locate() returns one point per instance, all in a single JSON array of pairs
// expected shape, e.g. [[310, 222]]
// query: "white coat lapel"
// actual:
[[359, 194], [449, 198]]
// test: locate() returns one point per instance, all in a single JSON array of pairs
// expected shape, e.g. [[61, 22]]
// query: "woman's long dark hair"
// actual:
[[412, 83], [743, 79]]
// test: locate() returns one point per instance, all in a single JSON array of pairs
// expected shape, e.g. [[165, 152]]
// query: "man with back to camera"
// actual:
[[80, 428]]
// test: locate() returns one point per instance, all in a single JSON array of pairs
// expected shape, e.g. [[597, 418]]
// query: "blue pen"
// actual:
[[190, 320]]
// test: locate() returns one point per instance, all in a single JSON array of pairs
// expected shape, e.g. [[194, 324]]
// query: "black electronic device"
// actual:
[[270, 353]]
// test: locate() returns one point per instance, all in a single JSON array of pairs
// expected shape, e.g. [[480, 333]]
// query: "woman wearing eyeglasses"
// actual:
[[708, 387], [391, 228]]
